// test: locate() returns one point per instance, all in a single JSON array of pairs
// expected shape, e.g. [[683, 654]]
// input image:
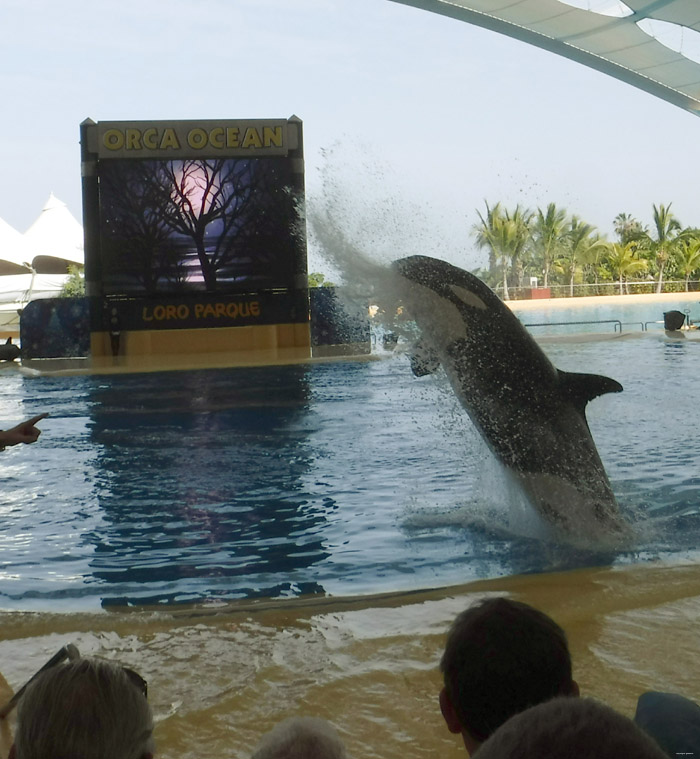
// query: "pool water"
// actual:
[[343, 479]]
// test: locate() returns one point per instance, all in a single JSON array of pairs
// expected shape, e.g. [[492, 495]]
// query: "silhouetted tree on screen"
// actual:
[[136, 240], [239, 215]]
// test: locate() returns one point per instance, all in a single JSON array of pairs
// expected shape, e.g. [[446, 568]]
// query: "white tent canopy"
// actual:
[[35, 264], [56, 238], [16, 253], [650, 44]]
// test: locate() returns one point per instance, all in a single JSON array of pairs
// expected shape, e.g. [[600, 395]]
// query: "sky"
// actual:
[[411, 120]]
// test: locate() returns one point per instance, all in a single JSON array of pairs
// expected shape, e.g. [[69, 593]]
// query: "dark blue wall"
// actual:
[[55, 328]]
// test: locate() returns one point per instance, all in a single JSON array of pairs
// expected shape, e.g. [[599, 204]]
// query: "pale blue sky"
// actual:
[[425, 115]]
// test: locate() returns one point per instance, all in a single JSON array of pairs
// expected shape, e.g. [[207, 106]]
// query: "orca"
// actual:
[[9, 351], [531, 415]]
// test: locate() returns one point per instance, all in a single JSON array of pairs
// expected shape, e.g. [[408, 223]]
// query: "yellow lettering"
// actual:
[[197, 138], [113, 139], [209, 310], [169, 139], [133, 139], [159, 313], [216, 137], [150, 138], [251, 139], [272, 136], [146, 316]]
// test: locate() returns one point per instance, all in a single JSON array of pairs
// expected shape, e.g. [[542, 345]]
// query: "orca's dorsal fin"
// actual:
[[8, 341], [581, 388]]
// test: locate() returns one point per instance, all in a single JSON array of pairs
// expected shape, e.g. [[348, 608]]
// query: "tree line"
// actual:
[[562, 249]]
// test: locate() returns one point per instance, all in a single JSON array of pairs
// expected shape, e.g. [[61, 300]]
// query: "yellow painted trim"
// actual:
[[188, 342]]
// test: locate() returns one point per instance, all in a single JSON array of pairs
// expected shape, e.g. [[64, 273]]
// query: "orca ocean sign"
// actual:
[[193, 206], [194, 224]]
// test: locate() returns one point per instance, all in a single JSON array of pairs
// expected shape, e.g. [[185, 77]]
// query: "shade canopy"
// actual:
[[16, 253], [56, 238], [627, 47]]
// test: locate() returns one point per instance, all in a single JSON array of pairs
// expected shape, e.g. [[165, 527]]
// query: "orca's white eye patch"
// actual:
[[468, 297]]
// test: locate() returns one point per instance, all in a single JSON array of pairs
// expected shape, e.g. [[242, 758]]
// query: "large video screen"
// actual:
[[225, 224]]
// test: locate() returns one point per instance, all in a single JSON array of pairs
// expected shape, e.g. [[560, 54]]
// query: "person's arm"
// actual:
[[24, 432]]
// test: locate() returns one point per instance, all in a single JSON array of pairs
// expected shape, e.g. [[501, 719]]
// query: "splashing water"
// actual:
[[359, 237], [357, 229]]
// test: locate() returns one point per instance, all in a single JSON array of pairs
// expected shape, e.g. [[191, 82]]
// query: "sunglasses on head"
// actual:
[[71, 653], [68, 651], [137, 680]]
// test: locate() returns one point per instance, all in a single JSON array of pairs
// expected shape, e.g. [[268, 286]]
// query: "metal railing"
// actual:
[[603, 288], [644, 326], [616, 322]]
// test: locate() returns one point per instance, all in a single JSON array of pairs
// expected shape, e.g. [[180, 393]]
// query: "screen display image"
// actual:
[[227, 225]]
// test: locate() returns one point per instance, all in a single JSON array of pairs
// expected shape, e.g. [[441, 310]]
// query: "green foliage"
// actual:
[[661, 249], [316, 279], [505, 235], [562, 249], [688, 258], [624, 261], [549, 231], [628, 229], [75, 285]]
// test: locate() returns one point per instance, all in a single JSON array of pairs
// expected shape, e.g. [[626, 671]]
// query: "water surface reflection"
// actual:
[[198, 476]]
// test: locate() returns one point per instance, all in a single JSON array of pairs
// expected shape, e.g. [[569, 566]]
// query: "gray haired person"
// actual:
[[570, 727], [84, 709], [301, 738]]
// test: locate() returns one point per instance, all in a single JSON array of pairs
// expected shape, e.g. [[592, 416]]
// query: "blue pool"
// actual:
[[339, 478]]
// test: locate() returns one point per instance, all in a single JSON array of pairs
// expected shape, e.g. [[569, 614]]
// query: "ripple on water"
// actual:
[[339, 478]]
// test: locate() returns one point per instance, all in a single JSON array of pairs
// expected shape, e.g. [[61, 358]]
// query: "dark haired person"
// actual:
[[501, 657]]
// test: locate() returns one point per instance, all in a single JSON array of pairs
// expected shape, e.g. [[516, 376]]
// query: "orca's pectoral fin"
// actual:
[[581, 388], [424, 359]]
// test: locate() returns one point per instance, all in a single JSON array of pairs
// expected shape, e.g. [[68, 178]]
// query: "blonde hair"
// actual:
[[85, 709]]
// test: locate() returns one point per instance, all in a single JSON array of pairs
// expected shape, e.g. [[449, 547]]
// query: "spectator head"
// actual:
[[301, 738], [84, 709], [570, 727], [501, 657]]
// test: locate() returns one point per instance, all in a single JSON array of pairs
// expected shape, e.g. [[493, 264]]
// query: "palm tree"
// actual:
[[627, 228], [663, 248], [592, 261], [484, 232], [520, 220], [504, 234], [624, 261], [548, 234], [494, 232], [581, 249], [688, 258]]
